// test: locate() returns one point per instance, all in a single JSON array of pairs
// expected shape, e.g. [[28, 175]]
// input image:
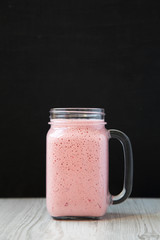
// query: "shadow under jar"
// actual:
[[77, 164]]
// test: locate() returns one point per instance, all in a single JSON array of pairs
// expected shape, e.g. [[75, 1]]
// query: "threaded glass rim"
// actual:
[[77, 113]]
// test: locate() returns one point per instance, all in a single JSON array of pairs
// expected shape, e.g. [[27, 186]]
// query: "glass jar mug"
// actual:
[[77, 164]]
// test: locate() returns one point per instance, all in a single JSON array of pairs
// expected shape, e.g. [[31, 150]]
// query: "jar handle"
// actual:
[[128, 165]]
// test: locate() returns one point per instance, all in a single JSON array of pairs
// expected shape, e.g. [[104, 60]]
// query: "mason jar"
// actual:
[[78, 164]]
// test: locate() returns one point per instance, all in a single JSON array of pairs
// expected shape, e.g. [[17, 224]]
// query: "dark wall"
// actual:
[[73, 54]]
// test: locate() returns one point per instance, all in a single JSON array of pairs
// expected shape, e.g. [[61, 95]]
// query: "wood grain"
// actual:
[[28, 219]]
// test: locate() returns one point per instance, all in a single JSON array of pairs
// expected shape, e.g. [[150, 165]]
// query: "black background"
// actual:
[[79, 54]]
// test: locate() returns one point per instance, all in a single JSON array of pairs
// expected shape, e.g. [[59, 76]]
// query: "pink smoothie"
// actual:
[[77, 168]]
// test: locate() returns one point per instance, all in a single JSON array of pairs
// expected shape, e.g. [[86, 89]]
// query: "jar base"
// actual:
[[76, 218]]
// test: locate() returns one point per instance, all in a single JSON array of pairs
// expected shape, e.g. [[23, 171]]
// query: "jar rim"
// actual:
[[77, 113]]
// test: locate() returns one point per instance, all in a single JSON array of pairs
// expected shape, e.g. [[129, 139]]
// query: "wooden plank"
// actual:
[[28, 219]]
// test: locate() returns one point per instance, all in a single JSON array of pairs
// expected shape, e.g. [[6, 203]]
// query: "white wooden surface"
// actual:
[[28, 219]]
